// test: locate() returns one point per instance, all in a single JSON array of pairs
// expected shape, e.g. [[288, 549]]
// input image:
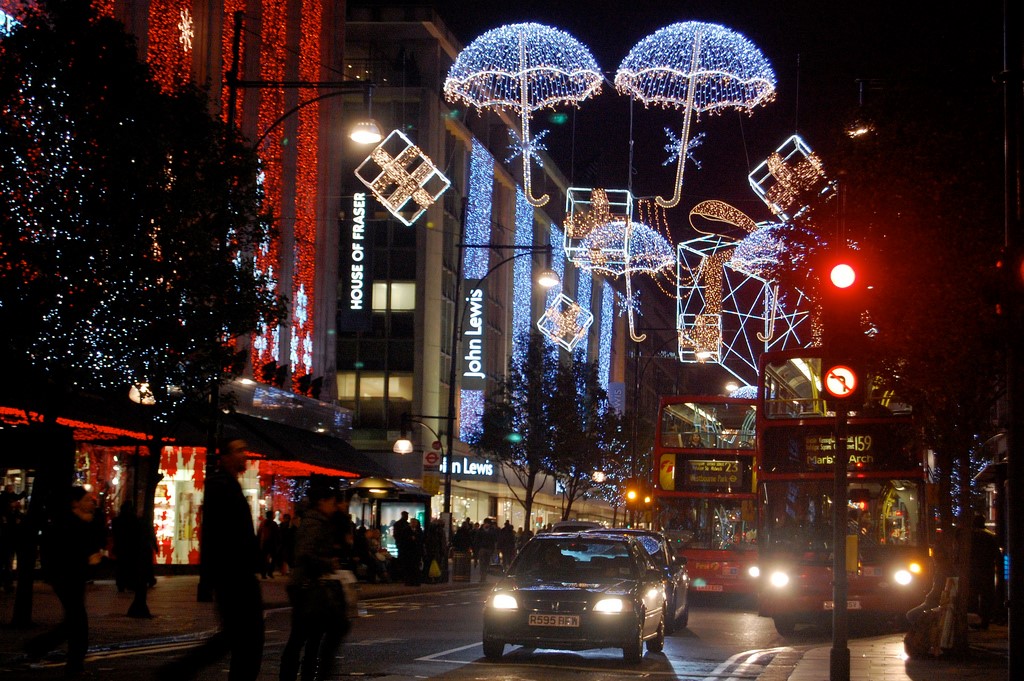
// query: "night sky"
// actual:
[[819, 51]]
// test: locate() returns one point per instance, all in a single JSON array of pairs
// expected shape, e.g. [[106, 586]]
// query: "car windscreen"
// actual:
[[575, 560]]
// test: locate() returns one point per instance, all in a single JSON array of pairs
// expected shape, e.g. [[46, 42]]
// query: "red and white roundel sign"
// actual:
[[840, 381]]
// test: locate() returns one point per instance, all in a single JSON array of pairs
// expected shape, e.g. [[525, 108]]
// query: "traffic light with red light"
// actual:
[[843, 306]]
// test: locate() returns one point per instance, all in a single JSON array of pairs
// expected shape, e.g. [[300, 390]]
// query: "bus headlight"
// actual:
[[754, 571], [504, 602], [903, 577], [778, 579], [915, 568]]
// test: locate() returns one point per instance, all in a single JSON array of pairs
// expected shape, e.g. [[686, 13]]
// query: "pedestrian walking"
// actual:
[[319, 617], [269, 536], [488, 542], [506, 544], [414, 557], [69, 547], [230, 561], [402, 535]]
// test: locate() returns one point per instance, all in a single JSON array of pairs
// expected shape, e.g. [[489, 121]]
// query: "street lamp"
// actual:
[[364, 132]]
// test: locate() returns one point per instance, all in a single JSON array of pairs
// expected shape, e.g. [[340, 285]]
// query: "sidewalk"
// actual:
[[881, 658], [177, 615]]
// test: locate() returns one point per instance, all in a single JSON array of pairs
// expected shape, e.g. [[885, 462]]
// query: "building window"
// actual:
[[370, 384], [403, 296]]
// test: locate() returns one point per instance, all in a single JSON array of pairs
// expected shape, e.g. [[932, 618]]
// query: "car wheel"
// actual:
[[784, 625], [684, 619], [493, 650], [634, 650], [657, 644]]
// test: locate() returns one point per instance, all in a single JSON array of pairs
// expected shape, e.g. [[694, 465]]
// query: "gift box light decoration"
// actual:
[[524, 68], [728, 310], [565, 322], [402, 177], [696, 67], [601, 236], [791, 179]]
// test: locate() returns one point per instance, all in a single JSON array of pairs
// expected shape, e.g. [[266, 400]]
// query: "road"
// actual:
[[437, 636]]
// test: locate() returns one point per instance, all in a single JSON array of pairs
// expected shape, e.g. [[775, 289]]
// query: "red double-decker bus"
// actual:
[[704, 489], [885, 510]]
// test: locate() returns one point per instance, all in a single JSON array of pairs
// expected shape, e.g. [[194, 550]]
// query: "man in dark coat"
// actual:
[[986, 559], [70, 546], [231, 563]]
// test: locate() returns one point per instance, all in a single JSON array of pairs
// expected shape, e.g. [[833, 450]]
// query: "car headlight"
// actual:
[[504, 602], [903, 577], [779, 579], [754, 571], [609, 605]]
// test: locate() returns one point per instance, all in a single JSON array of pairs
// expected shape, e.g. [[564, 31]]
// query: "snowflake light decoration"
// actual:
[[524, 68], [791, 179], [565, 322], [528, 150], [697, 67], [675, 143], [402, 177]]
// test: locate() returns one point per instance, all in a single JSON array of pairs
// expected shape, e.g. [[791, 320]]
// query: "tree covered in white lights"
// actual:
[[517, 421], [126, 217]]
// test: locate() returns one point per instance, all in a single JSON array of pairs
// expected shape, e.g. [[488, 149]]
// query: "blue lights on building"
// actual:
[[522, 277], [604, 353]]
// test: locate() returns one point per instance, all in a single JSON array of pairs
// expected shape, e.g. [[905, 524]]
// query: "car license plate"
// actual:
[[850, 605], [554, 620], [708, 587]]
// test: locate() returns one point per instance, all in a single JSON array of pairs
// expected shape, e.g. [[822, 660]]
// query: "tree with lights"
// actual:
[[517, 422], [128, 217], [587, 433]]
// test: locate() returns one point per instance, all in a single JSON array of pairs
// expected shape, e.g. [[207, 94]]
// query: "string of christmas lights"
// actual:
[[565, 322]]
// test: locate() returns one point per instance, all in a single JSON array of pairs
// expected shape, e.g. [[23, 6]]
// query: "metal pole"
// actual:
[[452, 370], [1013, 106], [839, 657]]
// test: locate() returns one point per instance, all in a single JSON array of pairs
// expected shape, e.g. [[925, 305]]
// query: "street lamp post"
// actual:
[[547, 279]]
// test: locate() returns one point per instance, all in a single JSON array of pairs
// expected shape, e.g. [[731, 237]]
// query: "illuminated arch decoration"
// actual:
[[697, 67], [727, 310], [524, 68], [791, 179], [402, 177], [565, 322]]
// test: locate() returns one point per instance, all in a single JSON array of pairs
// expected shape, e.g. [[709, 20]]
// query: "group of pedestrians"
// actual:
[[489, 545], [277, 544]]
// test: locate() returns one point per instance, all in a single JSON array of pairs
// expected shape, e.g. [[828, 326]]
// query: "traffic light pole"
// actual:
[[839, 657]]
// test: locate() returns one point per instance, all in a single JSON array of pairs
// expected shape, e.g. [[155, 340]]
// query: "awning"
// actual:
[[281, 443]]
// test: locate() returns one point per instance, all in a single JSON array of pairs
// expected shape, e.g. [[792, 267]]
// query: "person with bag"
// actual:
[[319, 619]]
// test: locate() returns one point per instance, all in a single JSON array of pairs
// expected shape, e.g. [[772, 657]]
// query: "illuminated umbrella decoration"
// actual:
[[697, 67], [523, 67]]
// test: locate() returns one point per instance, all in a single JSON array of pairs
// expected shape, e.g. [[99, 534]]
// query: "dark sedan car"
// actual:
[[677, 579], [578, 591]]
